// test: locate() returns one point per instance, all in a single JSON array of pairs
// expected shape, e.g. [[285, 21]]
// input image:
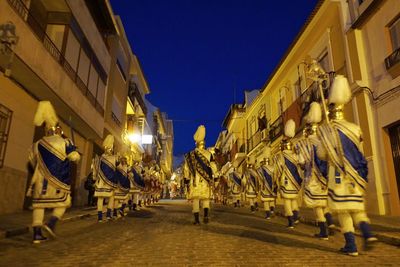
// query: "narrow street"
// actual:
[[163, 235]]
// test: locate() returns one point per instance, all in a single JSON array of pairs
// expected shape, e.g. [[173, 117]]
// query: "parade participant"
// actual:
[[121, 193], [51, 185], [267, 187], [347, 167], [104, 174], [287, 175], [200, 168], [235, 187], [136, 185], [315, 172], [250, 183]]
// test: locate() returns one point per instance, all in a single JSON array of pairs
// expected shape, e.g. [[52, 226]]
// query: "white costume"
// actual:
[[267, 187], [51, 184], [199, 168], [104, 175], [287, 175], [250, 183], [347, 167]]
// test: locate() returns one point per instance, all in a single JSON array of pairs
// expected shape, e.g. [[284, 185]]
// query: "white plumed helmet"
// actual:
[[108, 142], [45, 113], [340, 92], [290, 128], [314, 114], [200, 134]]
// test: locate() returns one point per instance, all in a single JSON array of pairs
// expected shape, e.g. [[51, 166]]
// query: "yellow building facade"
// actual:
[[343, 40]]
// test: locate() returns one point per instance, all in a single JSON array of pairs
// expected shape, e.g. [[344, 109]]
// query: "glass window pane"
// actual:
[[101, 92], [395, 34], [56, 34], [72, 50], [93, 79], [84, 64], [116, 109]]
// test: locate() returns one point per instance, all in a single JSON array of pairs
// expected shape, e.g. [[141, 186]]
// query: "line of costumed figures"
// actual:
[[325, 168], [122, 181]]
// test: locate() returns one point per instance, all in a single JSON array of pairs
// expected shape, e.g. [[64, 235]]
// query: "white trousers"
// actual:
[[320, 213], [290, 204], [100, 201], [268, 205], [196, 204], [38, 215], [348, 219]]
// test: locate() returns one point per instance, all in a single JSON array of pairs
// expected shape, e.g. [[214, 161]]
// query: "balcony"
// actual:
[[37, 28], [276, 129], [134, 93], [253, 141], [392, 63]]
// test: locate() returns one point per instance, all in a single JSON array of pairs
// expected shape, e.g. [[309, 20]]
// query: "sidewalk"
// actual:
[[19, 223], [386, 228]]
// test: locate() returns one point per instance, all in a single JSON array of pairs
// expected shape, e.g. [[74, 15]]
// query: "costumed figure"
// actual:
[[268, 187], [51, 158], [121, 193], [136, 185], [315, 172], [235, 187], [250, 183], [106, 180], [347, 167], [287, 175], [199, 168]]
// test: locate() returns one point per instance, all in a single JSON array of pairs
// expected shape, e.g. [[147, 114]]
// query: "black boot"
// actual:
[[252, 209], [296, 218], [134, 206], [108, 215], [267, 214], [235, 205], [115, 214], [323, 231], [140, 203], [330, 223], [290, 222], [272, 210], [50, 226], [350, 247], [205, 219], [256, 206], [37, 235], [196, 218], [369, 238], [130, 204], [238, 203], [100, 216]]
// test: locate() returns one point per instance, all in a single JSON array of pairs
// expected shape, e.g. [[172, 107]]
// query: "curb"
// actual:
[[384, 238], [25, 229]]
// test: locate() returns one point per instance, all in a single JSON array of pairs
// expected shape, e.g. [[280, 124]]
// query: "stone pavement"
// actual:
[[162, 235]]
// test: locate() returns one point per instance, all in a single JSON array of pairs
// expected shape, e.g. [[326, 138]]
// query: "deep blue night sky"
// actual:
[[195, 52]]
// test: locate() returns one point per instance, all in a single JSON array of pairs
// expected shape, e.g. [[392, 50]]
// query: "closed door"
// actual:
[[394, 133]]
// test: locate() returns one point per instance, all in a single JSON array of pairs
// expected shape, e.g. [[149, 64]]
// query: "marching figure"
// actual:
[[199, 168], [50, 187], [106, 180], [287, 175], [267, 187], [347, 167], [315, 172], [136, 185], [122, 190], [250, 183], [235, 187]]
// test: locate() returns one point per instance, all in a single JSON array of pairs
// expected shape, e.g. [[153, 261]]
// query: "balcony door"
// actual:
[[394, 133]]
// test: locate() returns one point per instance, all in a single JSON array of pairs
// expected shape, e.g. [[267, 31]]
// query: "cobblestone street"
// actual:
[[163, 235]]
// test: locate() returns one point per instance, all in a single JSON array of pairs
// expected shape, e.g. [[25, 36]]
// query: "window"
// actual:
[[323, 61], [83, 67], [93, 80], [5, 122], [394, 30], [72, 50], [56, 34], [116, 111], [101, 92]]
